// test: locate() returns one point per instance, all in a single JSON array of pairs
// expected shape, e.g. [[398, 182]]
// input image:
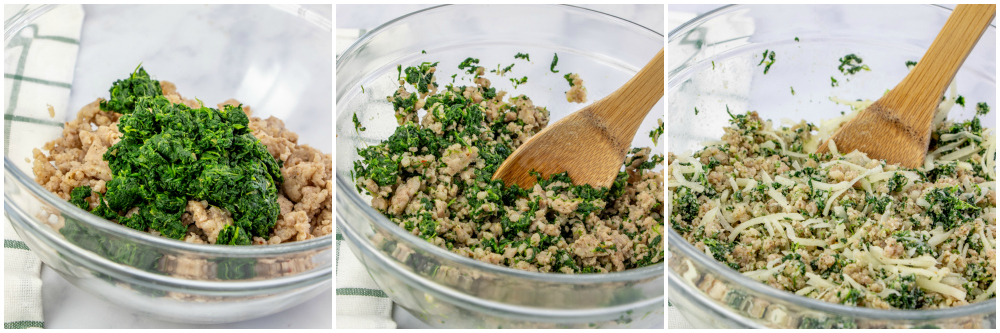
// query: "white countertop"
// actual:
[[368, 17]]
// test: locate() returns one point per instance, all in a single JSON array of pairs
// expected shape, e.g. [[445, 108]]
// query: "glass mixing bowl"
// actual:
[[440, 287], [282, 72], [713, 63]]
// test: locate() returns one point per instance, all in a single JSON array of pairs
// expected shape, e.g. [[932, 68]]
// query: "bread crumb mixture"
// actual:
[[305, 197]]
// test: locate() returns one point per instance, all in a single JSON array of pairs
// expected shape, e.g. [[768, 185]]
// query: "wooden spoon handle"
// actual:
[[623, 110], [926, 83]]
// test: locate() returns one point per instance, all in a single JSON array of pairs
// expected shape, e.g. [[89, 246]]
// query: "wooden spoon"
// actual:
[[897, 127], [590, 143]]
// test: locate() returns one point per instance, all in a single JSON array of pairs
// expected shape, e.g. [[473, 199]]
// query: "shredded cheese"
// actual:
[[992, 289], [763, 274], [961, 135], [802, 241], [854, 284], [758, 220], [680, 180], [941, 288], [829, 202], [736, 188], [960, 153], [939, 236], [832, 146], [817, 281], [784, 181]]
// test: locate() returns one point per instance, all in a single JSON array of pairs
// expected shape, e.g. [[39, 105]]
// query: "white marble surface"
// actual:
[[264, 57], [368, 17], [371, 16]]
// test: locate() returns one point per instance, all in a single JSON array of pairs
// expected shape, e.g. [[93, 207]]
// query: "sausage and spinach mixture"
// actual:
[[845, 228], [157, 162], [433, 178]]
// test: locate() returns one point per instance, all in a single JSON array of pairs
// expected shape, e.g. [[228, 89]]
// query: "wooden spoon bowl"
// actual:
[[897, 127], [589, 144]]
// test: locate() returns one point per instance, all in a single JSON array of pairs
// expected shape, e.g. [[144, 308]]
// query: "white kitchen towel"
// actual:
[[39, 61], [360, 302], [675, 320]]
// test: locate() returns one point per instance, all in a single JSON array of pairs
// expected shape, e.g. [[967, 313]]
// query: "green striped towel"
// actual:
[[675, 319], [39, 61], [360, 302]]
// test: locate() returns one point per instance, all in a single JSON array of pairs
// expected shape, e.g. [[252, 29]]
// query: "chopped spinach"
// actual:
[[170, 154]]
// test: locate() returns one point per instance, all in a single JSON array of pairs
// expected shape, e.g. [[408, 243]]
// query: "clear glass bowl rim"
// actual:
[[11, 27], [718, 269], [345, 189]]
